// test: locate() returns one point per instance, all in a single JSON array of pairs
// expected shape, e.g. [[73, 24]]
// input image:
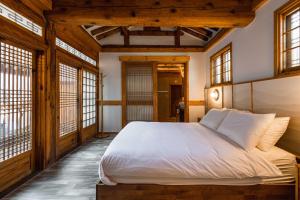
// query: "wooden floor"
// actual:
[[74, 177]]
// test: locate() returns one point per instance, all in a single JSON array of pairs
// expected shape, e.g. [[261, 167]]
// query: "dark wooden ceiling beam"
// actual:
[[195, 34], [151, 48], [126, 36], [102, 29], [202, 31], [88, 26], [192, 13], [108, 33], [152, 33], [151, 28], [219, 36], [177, 37]]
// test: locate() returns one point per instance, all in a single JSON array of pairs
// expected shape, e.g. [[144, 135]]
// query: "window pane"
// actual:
[[89, 98], [68, 94], [15, 101], [292, 37]]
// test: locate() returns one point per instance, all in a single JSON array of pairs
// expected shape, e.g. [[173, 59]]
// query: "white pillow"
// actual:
[[273, 133], [214, 118], [245, 128]]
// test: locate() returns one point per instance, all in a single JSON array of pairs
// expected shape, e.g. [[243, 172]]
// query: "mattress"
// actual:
[[187, 154]]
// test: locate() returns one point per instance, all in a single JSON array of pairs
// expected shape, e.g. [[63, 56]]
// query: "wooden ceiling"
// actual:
[[99, 33], [105, 18]]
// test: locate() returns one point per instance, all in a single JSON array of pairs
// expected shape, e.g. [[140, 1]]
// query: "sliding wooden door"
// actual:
[[16, 113], [68, 112], [139, 92], [89, 113]]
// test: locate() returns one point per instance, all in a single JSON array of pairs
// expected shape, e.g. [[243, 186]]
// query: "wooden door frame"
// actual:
[[155, 60]]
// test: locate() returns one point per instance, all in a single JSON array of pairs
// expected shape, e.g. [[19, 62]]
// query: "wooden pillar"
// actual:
[[51, 126]]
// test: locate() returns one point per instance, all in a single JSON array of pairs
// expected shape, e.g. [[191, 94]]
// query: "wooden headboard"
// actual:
[[278, 95]]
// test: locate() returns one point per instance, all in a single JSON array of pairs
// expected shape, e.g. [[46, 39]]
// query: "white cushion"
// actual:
[[245, 128], [214, 118], [273, 133]]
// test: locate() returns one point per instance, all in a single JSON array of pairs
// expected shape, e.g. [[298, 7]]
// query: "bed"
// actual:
[[152, 160]]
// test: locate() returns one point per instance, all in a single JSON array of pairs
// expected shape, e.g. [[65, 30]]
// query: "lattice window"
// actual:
[[287, 38], [68, 96], [292, 40], [15, 100], [221, 66], [20, 20], [89, 98], [74, 51]]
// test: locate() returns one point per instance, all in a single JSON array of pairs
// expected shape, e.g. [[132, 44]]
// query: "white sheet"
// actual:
[[156, 151]]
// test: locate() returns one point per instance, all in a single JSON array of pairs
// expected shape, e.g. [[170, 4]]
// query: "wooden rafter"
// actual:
[[195, 34], [108, 33], [152, 33], [102, 29], [202, 31], [192, 13], [221, 34]]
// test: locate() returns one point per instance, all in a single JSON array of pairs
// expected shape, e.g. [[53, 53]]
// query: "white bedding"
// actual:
[[188, 151]]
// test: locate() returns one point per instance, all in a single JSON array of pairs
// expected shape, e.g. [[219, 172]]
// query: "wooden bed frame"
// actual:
[[194, 192]]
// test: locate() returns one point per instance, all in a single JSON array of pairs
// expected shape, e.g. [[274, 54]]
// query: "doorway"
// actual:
[[170, 92], [162, 100]]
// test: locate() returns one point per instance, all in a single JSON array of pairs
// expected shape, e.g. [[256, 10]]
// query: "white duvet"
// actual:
[[178, 150]]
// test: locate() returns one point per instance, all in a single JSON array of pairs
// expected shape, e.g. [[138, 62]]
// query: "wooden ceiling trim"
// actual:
[[219, 36], [78, 38], [88, 26], [152, 33], [195, 34], [202, 31], [25, 10], [151, 28], [160, 59], [193, 13], [108, 33], [102, 29], [151, 48], [38, 6], [257, 4]]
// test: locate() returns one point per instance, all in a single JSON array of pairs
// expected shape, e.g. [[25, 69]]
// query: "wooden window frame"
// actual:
[[212, 59], [279, 25]]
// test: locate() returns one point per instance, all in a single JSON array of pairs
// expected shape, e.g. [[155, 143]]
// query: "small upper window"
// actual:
[[221, 66], [288, 37], [20, 20]]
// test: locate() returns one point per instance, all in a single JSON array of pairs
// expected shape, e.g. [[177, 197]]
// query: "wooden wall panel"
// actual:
[[88, 133], [15, 169], [66, 144], [281, 96], [242, 96], [227, 96]]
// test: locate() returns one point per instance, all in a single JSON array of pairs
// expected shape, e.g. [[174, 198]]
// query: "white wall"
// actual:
[[111, 68], [252, 46]]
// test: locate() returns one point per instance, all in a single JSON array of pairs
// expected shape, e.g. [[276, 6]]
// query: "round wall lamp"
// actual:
[[215, 95]]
